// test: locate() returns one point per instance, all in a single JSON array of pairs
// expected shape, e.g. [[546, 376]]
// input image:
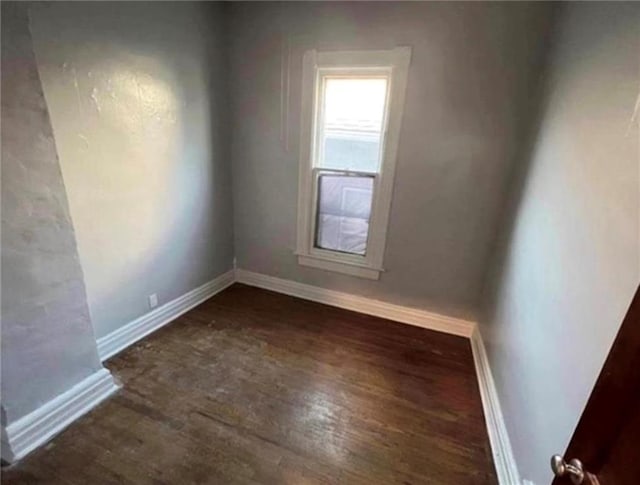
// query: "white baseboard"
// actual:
[[402, 314], [26, 434], [503, 458], [504, 461], [123, 337], [36, 428]]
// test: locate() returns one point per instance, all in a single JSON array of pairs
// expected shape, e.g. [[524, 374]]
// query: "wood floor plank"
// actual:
[[256, 387]]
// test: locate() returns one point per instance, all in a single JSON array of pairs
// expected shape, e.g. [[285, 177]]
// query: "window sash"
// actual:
[[315, 250], [393, 64], [325, 74], [317, 114]]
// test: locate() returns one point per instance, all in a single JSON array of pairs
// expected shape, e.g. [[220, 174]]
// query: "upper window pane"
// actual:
[[351, 125]]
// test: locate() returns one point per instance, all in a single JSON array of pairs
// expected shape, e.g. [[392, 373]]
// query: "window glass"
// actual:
[[351, 124], [344, 210]]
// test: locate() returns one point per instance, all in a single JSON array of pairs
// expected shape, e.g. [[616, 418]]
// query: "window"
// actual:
[[350, 126]]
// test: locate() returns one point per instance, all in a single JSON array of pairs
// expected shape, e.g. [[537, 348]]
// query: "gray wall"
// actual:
[[472, 70], [137, 95], [47, 340], [568, 262]]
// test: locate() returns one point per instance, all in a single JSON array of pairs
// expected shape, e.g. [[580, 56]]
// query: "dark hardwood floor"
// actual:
[[257, 387]]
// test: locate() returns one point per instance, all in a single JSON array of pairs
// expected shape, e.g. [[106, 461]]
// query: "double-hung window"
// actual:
[[351, 113]]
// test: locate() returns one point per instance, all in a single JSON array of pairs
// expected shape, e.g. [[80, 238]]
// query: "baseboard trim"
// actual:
[[506, 467], [39, 426], [123, 337], [504, 461], [398, 313]]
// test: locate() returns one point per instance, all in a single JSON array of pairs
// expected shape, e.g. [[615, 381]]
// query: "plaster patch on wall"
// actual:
[[94, 97], [84, 139], [634, 116], [77, 89]]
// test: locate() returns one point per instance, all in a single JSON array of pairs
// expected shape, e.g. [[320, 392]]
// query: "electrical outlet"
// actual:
[[153, 300]]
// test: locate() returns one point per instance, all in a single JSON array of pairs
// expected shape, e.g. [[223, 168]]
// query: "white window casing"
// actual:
[[392, 65]]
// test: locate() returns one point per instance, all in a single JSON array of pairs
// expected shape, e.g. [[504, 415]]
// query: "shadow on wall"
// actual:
[[143, 150], [566, 263], [538, 107]]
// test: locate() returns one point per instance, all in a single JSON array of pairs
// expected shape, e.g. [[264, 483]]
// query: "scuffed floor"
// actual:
[[256, 387]]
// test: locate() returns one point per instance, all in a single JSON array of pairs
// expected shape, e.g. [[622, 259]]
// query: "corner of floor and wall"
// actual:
[[142, 174]]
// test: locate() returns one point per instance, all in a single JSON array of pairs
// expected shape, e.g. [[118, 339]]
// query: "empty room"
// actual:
[[320, 243]]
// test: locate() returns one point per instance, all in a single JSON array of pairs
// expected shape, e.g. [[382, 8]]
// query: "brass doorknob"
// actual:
[[573, 469]]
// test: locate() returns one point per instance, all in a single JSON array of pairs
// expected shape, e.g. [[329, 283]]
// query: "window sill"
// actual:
[[352, 269]]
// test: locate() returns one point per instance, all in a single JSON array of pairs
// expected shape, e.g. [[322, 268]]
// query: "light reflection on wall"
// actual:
[[132, 92], [131, 142]]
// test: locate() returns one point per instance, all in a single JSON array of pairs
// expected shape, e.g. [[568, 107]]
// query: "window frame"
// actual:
[[393, 64]]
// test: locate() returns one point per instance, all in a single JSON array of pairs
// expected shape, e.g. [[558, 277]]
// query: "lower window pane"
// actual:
[[344, 210]]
